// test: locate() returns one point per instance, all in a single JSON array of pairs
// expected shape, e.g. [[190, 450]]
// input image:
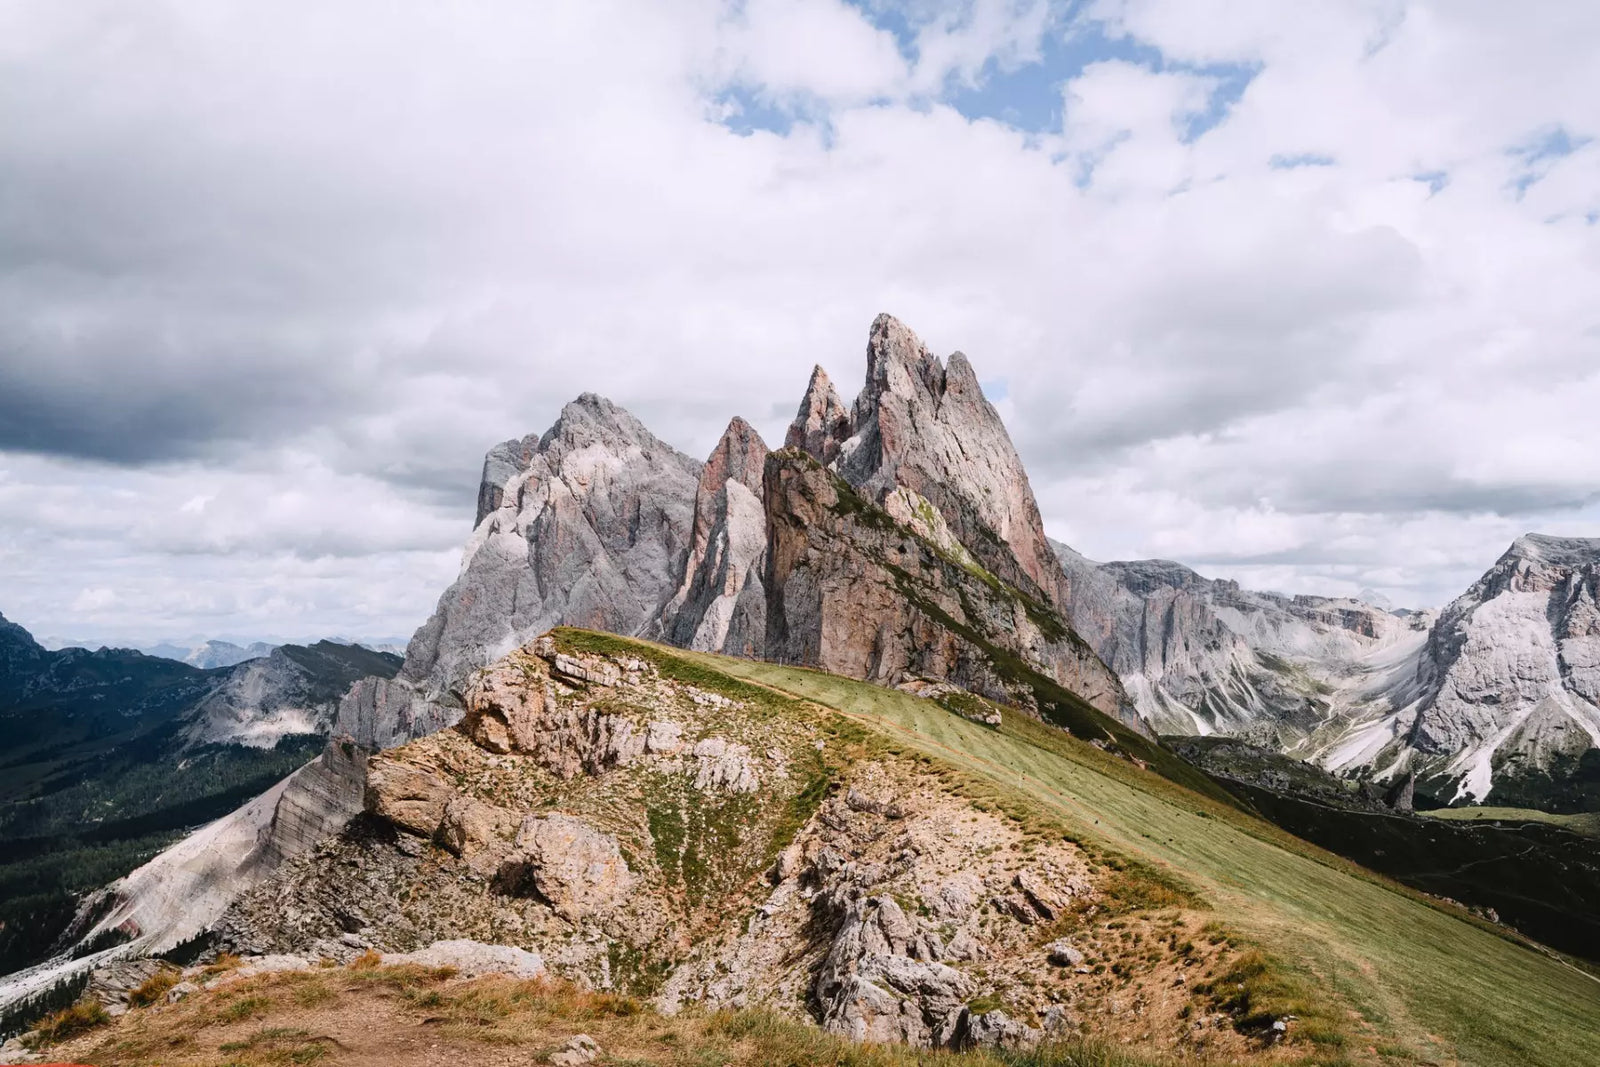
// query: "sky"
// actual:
[[1299, 294]]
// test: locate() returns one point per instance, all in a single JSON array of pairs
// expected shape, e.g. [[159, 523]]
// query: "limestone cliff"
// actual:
[[925, 426], [721, 602], [855, 590], [587, 525], [1204, 656]]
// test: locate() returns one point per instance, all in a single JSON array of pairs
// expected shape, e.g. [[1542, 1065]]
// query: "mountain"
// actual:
[[926, 860], [210, 654], [721, 600], [1204, 656], [110, 754], [802, 860], [295, 689], [1503, 705], [1496, 699], [597, 523], [587, 525], [948, 573]]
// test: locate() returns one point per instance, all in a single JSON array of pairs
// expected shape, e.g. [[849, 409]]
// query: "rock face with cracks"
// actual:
[[587, 525], [855, 591], [720, 603]]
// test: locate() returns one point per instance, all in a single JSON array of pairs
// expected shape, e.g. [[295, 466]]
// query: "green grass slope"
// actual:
[[1423, 984], [1587, 824]]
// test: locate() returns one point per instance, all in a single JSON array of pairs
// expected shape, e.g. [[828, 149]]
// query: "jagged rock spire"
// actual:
[[720, 604], [927, 427], [822, 423]]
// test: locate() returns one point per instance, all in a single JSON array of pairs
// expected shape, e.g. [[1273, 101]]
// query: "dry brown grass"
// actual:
[[67, 1023], [416, 1016], [154, 989]]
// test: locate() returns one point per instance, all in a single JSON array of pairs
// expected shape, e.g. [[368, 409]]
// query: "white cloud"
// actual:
[[305, 266], [814, 48]]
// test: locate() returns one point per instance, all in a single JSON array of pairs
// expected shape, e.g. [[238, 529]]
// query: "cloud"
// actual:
[[306, 265]]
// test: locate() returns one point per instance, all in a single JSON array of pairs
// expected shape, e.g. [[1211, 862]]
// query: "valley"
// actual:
[[112, 755]]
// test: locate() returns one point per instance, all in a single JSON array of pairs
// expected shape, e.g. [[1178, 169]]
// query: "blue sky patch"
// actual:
[[1025, 95], [1434, 179], [746, 111], [1300, 159], [1540, 152]]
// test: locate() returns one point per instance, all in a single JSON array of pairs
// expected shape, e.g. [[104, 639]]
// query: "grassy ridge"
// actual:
[[1587, 824], [1430, 986]]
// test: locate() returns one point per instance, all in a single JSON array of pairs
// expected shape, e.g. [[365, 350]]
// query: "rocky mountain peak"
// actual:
[[1512, 674], [927, 427], [589, 421], [13, 635], [897, 363], [822, 423], [585, 525], [1555, 551], [740, 455], [592, 419]]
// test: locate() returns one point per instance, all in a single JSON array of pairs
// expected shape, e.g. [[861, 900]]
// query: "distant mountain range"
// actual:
[[1495, 699], [111, 753], [208, 654]]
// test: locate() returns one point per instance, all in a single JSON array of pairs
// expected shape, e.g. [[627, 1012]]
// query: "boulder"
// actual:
[[181, 990], [111, 983], [273, 964], [724, 766], [477, 832], [663, 738], [1064, 953], [411, 796], [471, 959], [1041, 897], [575, 868], [579, 1049], [996, 1029]]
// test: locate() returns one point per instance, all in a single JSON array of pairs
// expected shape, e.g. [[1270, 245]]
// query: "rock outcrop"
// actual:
[[737, 858]]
